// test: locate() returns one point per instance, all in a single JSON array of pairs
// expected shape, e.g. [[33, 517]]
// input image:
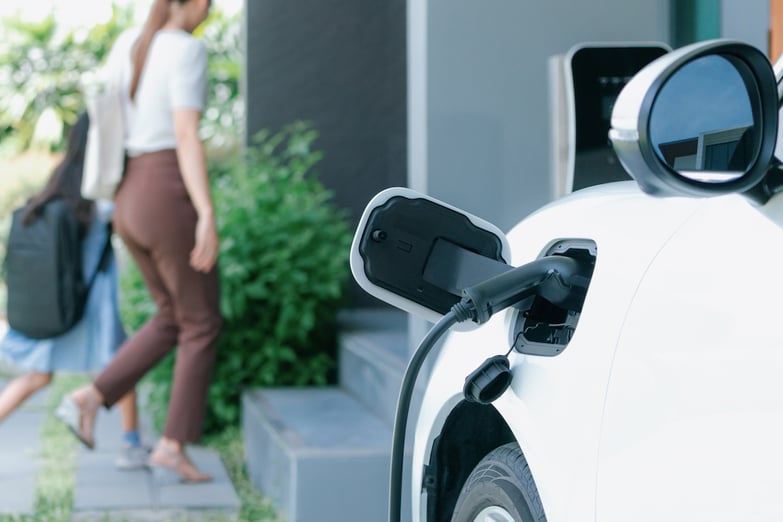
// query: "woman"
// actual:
[[92, 342], [164, 215]]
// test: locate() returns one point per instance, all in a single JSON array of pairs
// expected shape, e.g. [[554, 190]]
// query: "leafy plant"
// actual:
[[41, 67], [40, 78], [221, 126], [283, 267]]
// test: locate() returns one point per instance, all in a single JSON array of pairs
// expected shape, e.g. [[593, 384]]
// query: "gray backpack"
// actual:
[[47, 291]]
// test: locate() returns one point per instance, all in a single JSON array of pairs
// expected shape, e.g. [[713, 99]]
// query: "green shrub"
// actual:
[[41, 66], [283, 266]]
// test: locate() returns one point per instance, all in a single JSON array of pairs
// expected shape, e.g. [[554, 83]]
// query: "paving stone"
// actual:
[[17, 485], [19, 456], [102, 492], [217, 494], [101, 487]]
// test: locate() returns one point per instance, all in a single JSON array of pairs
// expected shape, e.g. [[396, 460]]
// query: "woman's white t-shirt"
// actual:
[[174, 77]]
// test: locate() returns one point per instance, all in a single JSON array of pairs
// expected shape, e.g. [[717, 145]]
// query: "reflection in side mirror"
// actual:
[[701, 122]]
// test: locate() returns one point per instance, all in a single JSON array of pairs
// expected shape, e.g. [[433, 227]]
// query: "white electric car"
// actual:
[[616, 357]]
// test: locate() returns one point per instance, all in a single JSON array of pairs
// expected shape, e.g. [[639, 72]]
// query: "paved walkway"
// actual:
[[19, 447], [102, 493]]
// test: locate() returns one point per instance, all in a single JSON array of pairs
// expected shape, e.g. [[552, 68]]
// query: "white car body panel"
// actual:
[[642, 412], [696, 396]]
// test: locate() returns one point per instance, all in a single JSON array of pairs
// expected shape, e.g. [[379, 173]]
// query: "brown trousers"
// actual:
[[156, 220]]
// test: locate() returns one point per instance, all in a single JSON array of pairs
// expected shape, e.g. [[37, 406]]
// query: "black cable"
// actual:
[[403, 405]]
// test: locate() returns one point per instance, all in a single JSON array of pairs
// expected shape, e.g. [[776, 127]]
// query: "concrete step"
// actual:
[[373, 355], [317, 453]]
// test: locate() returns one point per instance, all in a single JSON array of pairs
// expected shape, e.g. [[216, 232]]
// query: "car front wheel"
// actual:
[[500, 489]]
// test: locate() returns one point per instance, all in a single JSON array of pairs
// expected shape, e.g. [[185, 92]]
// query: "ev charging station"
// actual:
[[584, 83]]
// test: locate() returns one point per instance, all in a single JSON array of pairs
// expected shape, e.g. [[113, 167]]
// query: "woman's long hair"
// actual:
[[66, 180], [157, 17]]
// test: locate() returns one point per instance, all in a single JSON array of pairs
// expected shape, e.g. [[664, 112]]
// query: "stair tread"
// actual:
[[382, 331], [320, 420]]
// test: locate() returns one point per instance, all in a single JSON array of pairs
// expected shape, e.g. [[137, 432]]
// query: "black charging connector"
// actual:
[[548, 277]]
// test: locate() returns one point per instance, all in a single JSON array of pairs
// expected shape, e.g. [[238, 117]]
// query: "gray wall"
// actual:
[[479, 122], [478, 94], [340, 64], [484, 84], [450, 97], [746, 20]]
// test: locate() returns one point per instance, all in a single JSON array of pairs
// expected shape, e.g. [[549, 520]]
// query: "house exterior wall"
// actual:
[[449, 97], [746, 20], [479, 77], [488, 120], [340, 64]]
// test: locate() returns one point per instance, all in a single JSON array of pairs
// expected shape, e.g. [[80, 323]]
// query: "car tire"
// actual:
[[500, 489]]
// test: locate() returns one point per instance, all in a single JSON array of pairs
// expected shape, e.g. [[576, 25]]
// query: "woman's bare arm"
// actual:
[[193, 165]]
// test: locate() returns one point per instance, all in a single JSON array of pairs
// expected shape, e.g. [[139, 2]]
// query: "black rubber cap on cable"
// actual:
[[489, 381]]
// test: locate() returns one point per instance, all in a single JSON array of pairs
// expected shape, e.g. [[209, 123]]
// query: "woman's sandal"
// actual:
[[79, 419], [173, 467]]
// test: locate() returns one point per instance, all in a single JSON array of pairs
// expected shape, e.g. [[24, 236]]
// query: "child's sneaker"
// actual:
[[132, 457]]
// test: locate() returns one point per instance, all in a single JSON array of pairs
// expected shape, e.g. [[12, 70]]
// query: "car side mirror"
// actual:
[[417, 253], [699, 121]]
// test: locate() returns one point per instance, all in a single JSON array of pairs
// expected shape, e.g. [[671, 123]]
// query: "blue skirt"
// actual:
[[92, 342]]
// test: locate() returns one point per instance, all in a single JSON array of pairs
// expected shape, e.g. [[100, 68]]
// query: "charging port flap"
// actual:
[[417, 253]]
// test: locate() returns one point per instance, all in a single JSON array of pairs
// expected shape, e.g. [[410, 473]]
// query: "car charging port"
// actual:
[[541, 326]]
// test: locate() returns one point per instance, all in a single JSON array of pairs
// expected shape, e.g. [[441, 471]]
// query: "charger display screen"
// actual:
[[599, 74]]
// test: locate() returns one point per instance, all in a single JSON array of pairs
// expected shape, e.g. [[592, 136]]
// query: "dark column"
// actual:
[[342, 65]]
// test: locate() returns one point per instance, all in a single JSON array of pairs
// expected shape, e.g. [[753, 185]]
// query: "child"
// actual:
[[91, 343]]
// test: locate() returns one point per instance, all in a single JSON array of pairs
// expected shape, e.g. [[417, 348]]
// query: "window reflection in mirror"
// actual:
[[701, 123]]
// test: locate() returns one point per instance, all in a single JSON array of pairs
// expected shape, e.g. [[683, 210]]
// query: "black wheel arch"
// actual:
[[470, 432]]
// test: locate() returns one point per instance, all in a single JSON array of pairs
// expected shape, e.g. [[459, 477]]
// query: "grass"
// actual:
[[55, 478]]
